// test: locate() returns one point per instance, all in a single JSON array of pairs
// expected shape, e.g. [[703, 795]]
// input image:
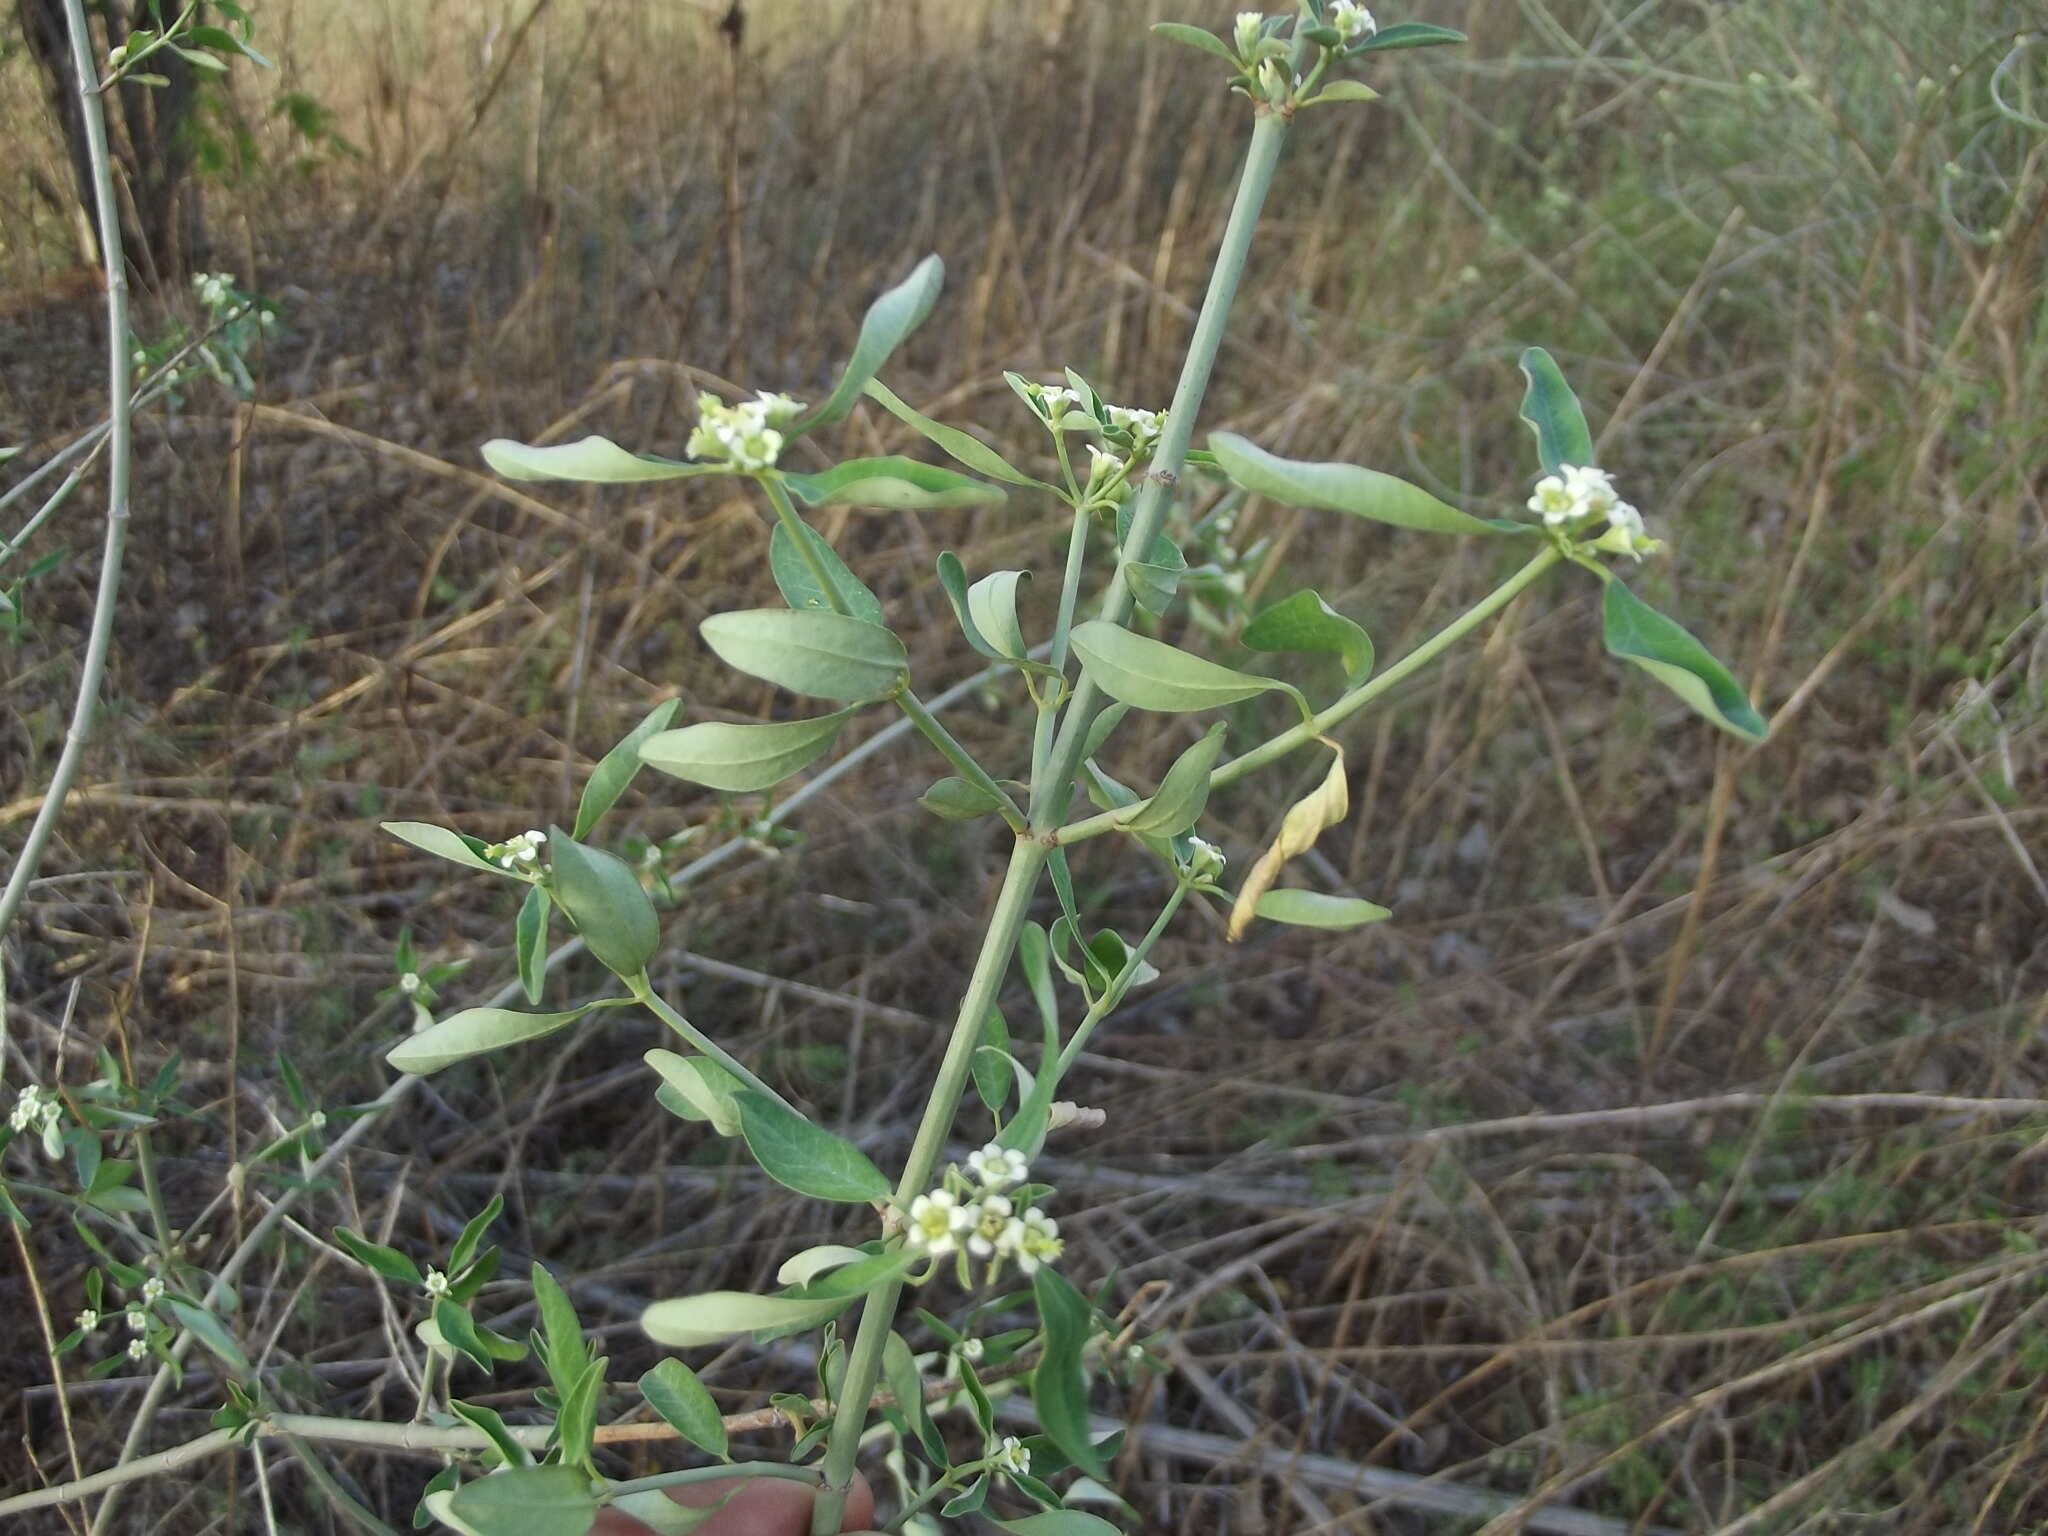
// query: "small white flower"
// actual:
[[991, 1215], [88, 1320], [1625, 535], [937, 1220], [1276, 81], [138, 1349], [138, 1320], [998, 1167], [316, 1120], [409, 983], [1205, 859], [778, 409], [1012, 1457], [1032, 1239], [971, 1350], [1144, 426], [435, 1285], [1592, 489], [152, 1291], [267, 319], [1246, 33], [1352, 20], [1553, 501], [28, 1109], [1102, 463]]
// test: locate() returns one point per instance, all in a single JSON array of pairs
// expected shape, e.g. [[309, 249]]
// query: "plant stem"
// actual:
[[1062, 626], [99, 641], [1148, 509], [713, 1474], [1106, 1004], [878, 1311], [153, 1194], [797, 528], [1352, 702], [959, 757], [653, 1002]]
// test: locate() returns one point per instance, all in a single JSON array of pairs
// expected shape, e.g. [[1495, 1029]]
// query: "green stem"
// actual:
[[153, 1194], [1049, 797], [959, 757], [1105, 1004], [1352, 702], [797, 528], [653, 1002], [714, 1474], [878, 1312], [1062, 627]]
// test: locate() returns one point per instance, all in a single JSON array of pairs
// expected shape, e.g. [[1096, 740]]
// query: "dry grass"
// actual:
[[1793, 1297]]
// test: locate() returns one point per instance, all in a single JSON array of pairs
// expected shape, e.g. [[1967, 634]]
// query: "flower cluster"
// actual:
[[1205, 861], [1070, 410], [1570, 500], [1352, 21], [520, 854], [748, 435], [41, 1112], [969, 1215]]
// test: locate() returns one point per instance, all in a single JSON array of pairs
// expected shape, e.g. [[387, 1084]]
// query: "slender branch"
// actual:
[[960, 758], [878, 1310], [657, 1005], [1114, 992], [1352, 702], [99, 642], [1062, 627]]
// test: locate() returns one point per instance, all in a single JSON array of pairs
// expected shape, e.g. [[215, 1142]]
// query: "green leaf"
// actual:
[[1195, 37], [442, 843], [805, 1157], [567, 1355], [530, 942], [1312, 909], [590, 458], [1304, 622], [1059, 1386], [576, 1417], [472, 1032], [673, 1391], [800, 1270], [857, 1278], [993, 603], [1344, 488], [1343, 90], [952, 799], [971, 451], [906, 1385], [527, 1501], [208, 1330], [1149, 674], [615, 770], [1058, 1522], [683, 1322], [472, 1235], [1406, 34], [1034, 958], [798, 582], [991, 1063], [1153, 585], [1639, 633], [1101, 728], [742, 758], [704, 1088], [894, 484], [1183, 794], [1554, 414], [458, 1331], [823, 655], [603, 897], [492, 1425], [968, 1500], [888, 321]]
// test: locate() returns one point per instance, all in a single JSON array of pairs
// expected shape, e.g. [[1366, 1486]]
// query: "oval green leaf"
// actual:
[[1059, 1386], [683, 1322], [673, 1391], [823, 655], [442, 843], [1407, 34], [527, 1501], [1183, 794], [472, 1032], [603, 897], [1345, 488], [615, 770], [1636, 632], [893, 484], [797, 574], [742, 758], [1554, 414], [952, 799], [530, 942], [888, 321], [1343, 90], [1195, 37], [971, 451], [591, 458], [1313, 909], [993, 603], [1304, 622], [1149, 674], [805, 1157], [704, 1088]]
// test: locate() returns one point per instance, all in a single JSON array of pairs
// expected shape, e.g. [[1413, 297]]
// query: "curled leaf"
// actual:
[[1317, 811]]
